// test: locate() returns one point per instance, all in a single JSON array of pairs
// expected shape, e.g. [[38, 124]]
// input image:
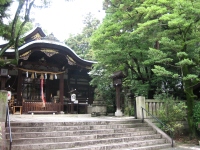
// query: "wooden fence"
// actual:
[[38, 106]]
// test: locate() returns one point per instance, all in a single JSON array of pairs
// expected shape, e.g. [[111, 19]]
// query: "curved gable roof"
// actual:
[[36, 39], [57, 46], [33, 32]]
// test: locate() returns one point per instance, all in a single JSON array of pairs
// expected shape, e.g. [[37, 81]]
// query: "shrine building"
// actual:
[[47, 74]]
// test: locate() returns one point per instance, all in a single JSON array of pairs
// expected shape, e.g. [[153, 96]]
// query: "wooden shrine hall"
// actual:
[[47, 74]]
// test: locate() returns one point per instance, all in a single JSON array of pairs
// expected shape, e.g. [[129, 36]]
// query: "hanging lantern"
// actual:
[[51, 77], [42, 76], [56, 76], [32, 76]]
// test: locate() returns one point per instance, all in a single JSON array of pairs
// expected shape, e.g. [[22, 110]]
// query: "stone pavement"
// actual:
[[62, 118], [83, 117], [185, 147]]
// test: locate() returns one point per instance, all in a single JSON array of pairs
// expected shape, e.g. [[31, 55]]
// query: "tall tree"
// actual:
[[175, 25], [80, 43], [116, 48]]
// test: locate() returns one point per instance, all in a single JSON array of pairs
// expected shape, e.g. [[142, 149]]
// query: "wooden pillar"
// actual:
[[118, 112], [118, 88], [62, 91], [19, 88], [48, 94]]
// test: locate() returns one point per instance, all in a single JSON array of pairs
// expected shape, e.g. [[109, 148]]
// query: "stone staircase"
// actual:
[[86, 135]]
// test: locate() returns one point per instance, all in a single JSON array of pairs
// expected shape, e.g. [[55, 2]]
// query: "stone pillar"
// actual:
[[140, 102], [3, 107], [89, 109]]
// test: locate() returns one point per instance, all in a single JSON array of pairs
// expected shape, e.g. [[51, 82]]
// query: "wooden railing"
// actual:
[[38, 106]]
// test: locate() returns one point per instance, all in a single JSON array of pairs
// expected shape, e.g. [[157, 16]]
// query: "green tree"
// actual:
[[4, 5], [21, 17], [80, 43], [175, 27], [116, 48]]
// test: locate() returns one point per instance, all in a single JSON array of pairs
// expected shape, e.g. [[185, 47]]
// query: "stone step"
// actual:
[[145, 128], [119, 126], [116, 134], [150, 147], [73, 123], [125, 136], [79, 133], [94, 144], [82, 127]]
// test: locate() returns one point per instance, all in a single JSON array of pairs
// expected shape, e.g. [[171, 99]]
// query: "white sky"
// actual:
[[63, 17]]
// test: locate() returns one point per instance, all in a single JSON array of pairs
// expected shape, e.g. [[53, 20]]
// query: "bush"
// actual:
[[110, 109], [172, 113], [196, 115], [129, 111]]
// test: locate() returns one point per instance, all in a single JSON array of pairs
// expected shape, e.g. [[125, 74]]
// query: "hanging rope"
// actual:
[[40, 72]]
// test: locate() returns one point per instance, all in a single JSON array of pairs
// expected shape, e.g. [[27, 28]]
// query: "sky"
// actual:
[[63, 17]]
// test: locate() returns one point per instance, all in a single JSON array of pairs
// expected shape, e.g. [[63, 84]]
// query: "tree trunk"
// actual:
[[188, 89], [190, 105]]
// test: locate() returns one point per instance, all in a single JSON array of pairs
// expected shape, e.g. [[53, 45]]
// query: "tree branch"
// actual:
[[26, 19]]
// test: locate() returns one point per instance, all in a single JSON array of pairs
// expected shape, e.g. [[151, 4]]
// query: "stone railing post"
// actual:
[[3, 108], [140, 102]]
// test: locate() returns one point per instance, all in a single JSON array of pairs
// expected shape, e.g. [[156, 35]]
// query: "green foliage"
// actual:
[[8, 61], [15, 29], [110, 109], [102, 81], [196, 115], [129, 111], [175, 29], [171, 113], [161, 71], [115, 48], [80, 43], [155, 43], [4, 5]]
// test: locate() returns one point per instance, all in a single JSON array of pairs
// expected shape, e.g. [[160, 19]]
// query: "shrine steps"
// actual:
[[86, 135]]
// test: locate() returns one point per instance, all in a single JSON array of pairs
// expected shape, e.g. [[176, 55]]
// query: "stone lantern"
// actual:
[[98, 107], [117, 83]]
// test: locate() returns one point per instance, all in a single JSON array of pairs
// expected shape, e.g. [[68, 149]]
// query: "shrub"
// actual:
[[172, 113], [129, 111], [196, 115], [110, 109]]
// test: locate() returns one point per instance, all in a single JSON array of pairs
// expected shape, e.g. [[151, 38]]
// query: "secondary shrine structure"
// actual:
[[46, 75]]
